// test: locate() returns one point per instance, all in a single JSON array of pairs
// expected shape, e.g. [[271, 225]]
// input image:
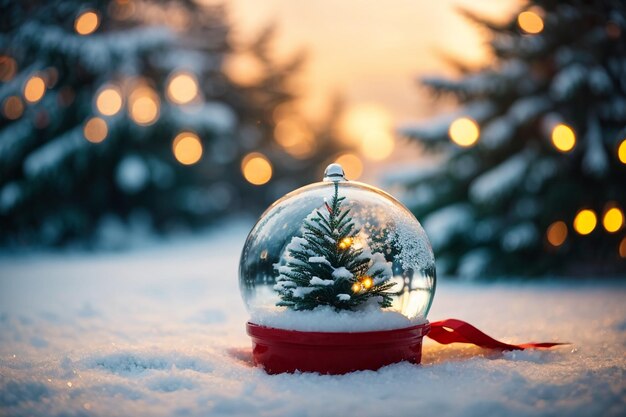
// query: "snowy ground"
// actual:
[[160, 331]]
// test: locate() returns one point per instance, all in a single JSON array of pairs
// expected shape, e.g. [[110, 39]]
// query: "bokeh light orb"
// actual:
[[563, 137], [87, 22], [464, 132], [382, 225], [187, 148], [585, 221], [256, 168]]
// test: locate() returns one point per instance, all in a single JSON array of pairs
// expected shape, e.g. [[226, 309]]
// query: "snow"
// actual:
[[342, 273], [160, 331], [327, 319], [501, 180], [319, 281]]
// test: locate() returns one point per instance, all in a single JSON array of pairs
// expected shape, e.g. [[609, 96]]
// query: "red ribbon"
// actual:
[[457, 331]]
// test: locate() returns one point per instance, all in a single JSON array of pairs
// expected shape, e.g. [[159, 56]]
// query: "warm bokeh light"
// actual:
[[622, 248], [256, 168], [95, 130], [370, 127], [34, 89], [295, 137], [244, 68], [563, 138], [464, 131], [187, 148], [621, 152], [8, 68], [356, 287], [585, 221], [530, 22], [182, 88], [13, 108], [143, 105], [352, 165], [557, 233], [613, 219], [345, 243], [109, 100], [367, 282], [86, 23]]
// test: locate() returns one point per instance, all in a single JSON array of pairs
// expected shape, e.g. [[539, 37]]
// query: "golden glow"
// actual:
[[464, 132], [13, 107], [621, 152], [356, 287], [295, 137], [613, 220], [34, 89], [182, 88], [244, 68], [622, 248], [143, 105], [367, 282], [563, 138], [86, 23], [530, 22], [256, 168], [557, 233], [109, 101], [345, 243], [369, 126], [8, 68], [187, 148], [585, 221], [95, 130], [352, 165]]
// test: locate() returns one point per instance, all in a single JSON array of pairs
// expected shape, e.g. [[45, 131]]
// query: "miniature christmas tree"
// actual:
[[534, 161], [332, 265]]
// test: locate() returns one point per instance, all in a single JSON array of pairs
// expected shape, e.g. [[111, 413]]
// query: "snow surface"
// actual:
[[160, 331], [326, 319]]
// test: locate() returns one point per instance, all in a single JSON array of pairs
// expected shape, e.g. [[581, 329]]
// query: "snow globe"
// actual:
[[337, 276]]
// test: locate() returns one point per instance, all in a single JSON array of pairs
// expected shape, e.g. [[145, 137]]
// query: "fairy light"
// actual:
[[357, 287], [464, 132], [86, 23], [563, 137], [109, 100], [13, 108], [530, 22], [34, 89], [256, 168], [95, 130], [613, 219], [557, 233], [621, 152], [8, 68], [182, 88], [585, 221], [187, 148], [345, 243], [352, 165], [143, 105], [622, 248], [367, 283]]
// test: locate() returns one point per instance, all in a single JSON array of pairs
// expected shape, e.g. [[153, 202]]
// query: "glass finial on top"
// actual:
[[334, 172]]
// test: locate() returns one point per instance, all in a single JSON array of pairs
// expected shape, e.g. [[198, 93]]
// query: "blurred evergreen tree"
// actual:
[[532, 177], [120, 114]]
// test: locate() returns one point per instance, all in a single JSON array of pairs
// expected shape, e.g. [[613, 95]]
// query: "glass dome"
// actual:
[[376, 228]]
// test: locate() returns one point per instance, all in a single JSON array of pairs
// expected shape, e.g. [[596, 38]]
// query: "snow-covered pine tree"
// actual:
[[331, 265], [118, 113], [531, 179]]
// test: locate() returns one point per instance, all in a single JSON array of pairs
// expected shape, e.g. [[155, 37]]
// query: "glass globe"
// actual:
[[382, 227]]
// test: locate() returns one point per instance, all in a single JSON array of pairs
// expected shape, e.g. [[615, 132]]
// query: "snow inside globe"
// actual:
[[337, 256]]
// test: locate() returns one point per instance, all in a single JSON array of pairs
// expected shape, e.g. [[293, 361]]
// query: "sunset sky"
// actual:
[[371, 54]]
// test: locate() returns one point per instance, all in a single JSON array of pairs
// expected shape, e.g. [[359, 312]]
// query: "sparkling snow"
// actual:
[[160, 331]]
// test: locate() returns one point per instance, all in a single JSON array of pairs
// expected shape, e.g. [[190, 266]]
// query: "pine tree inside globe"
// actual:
[[334, 267]]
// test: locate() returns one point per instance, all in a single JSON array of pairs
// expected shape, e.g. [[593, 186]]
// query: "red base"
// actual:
[[279, 350]]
